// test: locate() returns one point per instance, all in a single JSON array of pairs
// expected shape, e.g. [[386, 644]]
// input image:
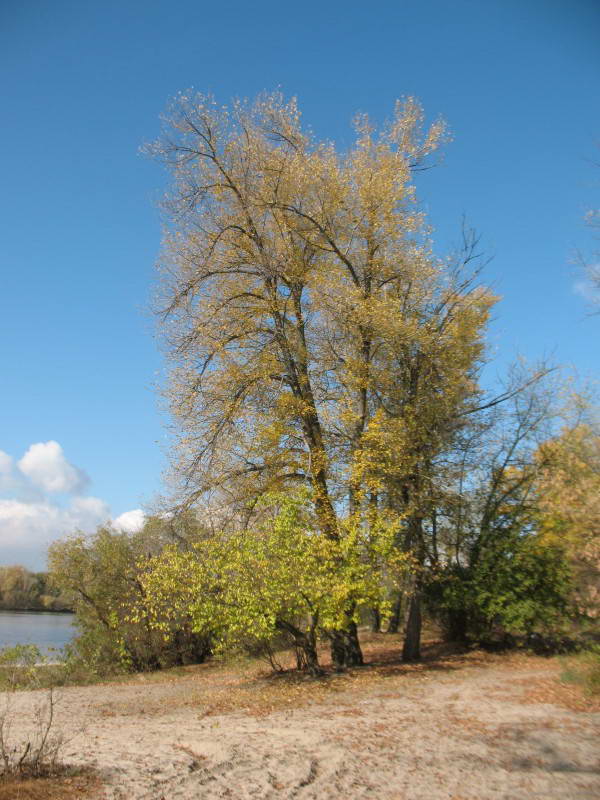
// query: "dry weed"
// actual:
[[82, 786]]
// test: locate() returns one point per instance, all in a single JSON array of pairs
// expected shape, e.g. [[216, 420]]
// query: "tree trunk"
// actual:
[[345, 648], [411, 651], [354, 654], [375, 620], [305, 644], [307, 659]]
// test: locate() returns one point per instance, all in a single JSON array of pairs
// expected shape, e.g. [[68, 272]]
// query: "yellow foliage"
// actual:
[[568, 490], [314, 337]]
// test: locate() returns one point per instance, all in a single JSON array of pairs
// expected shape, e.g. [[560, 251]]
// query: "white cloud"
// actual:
[[25, 523], [14, 485], [35, 525], [31, 517], [47, 468], [90, 511], [130, 521]]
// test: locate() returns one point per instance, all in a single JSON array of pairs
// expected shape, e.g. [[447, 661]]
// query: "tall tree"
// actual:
[[313, 336]]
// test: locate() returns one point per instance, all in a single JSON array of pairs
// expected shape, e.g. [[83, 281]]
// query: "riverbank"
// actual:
[[37, 610], [463, 726]]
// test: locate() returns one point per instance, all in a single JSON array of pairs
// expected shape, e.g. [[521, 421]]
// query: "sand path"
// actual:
[[457, 735]]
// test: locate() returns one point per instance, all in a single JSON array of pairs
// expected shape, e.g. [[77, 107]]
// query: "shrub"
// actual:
[[584, 669], [517, 586], [246, 588], [101, 575], [30, 748]]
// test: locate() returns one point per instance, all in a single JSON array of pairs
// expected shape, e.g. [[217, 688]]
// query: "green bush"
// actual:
[[517, 586], [100, 574]]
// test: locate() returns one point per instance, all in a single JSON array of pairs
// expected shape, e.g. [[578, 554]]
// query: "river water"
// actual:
[[49, 631]]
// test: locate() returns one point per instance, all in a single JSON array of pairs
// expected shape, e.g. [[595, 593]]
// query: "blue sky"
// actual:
[[83, 85]]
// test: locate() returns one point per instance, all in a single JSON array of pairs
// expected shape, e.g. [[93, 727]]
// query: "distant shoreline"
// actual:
[[38, 610]]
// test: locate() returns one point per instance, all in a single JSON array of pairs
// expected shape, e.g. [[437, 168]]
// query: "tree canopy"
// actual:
[[313, 336]]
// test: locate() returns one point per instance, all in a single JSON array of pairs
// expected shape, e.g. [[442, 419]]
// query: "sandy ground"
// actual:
[[458, 732]]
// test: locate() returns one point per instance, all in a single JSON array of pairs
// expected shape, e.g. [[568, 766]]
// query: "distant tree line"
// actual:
[[22, 590]]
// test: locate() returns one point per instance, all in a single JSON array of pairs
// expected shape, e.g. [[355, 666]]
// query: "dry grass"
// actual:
[[81, 786], [250, 688], [556, 693]]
